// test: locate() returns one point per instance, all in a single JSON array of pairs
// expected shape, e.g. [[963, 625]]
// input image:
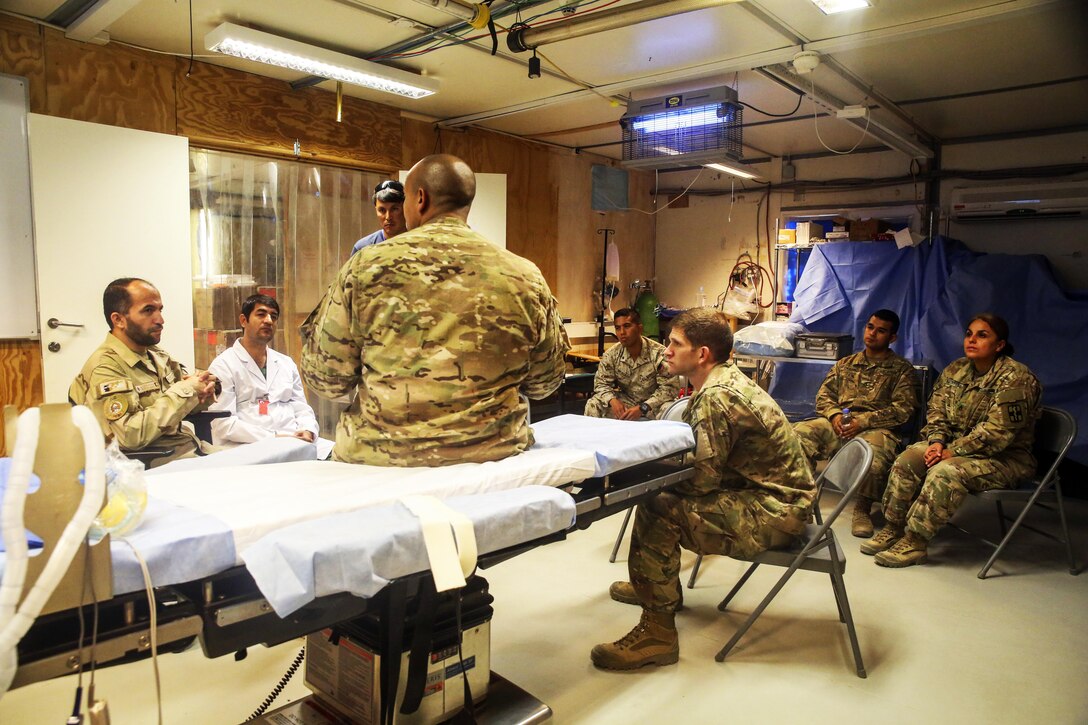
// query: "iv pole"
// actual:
[[604, 290]]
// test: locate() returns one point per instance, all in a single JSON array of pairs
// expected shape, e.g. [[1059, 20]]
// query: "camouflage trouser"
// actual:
[[726, 523], [940, 490], [819, 441], [596, 409]]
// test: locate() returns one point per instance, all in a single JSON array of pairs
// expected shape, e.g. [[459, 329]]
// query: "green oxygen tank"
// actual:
[[646, 307]]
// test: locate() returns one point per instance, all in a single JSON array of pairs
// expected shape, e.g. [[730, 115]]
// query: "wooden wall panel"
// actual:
[[20, 376], [21, 54], [110, 84], [225, 108]]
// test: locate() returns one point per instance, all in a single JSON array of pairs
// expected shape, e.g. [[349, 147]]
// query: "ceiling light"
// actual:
[[255, 45], [837, 6], [735, 170]]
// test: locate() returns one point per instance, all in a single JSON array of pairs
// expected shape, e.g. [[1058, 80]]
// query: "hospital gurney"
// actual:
[[261, 555]]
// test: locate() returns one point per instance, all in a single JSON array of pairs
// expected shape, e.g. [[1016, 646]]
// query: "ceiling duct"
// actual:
[[523, 38], [684, 129]]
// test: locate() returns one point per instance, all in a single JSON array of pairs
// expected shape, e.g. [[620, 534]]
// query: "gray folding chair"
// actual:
[[817, 549], [674, 411], [1054, 434]]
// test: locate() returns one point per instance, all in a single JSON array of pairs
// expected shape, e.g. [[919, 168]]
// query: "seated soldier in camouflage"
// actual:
[[432, 334], [136, 390], [633, 381], [878, 387], [752, 490], [980, 426]]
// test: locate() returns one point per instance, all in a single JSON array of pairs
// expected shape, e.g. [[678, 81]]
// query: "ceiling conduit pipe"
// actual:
[[521, 39], [457, 8]]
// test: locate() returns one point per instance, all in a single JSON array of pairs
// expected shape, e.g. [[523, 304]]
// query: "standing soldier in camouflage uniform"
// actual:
[[136, 390], [978, 435], [878, 387], [752, 490], [633, 380], [433, 333]]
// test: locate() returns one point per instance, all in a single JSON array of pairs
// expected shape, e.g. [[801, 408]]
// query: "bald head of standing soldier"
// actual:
[[433, 334], [138, 392]]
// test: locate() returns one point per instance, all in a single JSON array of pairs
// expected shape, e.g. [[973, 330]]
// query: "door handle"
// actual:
[[54, 323]]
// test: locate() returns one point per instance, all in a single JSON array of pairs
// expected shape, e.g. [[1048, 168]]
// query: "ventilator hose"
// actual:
[[279, 687]]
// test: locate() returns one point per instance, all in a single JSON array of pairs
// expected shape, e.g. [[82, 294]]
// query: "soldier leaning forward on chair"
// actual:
[[878, 387], [752, 489]]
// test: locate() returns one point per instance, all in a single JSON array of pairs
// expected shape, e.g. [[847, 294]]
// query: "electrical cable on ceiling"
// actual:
[[816, 123], [800, 97], [190, 71]]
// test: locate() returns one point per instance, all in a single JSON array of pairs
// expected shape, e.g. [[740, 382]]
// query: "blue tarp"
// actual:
[[935, 288]]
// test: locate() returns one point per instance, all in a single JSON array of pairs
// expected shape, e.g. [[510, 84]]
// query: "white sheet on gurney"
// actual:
[[361, 551], [615, 444], [254, 500], [178, 545], [268, 450]]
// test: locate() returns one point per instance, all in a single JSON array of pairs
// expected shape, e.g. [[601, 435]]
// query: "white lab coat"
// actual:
[[244, 386]]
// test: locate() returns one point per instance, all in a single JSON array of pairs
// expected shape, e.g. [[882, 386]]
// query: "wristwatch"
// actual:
[[645, 408]]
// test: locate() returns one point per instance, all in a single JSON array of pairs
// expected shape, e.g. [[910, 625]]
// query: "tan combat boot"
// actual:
[[653, 641], [884, 539], [624, 592], [909, 550], [861, 522]]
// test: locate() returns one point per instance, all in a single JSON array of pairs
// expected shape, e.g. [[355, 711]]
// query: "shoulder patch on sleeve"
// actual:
[[114, 386], [114, 407]]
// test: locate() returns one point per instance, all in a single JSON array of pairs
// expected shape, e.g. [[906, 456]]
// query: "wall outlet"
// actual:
[[852, 112]]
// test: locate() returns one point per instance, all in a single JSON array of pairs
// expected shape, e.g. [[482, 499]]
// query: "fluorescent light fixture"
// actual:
[[735, 170], [231, 39], [829, 7], [667, 151]]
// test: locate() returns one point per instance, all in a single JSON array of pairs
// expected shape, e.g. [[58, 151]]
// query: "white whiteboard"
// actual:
[[18, 296]]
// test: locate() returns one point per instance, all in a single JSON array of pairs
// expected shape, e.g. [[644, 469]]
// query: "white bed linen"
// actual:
[[255, 500], [615, 444]]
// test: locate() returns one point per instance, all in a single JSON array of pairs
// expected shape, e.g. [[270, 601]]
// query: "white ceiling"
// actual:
[[1015, 66]]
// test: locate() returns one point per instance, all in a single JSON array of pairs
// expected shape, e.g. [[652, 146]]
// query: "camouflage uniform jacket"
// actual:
[[743, 441], [980, 416], [879, 393], [645, 379], [138, 399], [434, 332]]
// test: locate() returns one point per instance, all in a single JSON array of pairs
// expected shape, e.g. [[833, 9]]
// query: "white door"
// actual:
[[108, 202]]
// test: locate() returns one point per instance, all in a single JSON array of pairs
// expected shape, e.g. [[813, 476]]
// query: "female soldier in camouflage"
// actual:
[[978, 435]]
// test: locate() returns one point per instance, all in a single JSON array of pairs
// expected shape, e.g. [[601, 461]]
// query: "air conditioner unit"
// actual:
[[1020, 201]]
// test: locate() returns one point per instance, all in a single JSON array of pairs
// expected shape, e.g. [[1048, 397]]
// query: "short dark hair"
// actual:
[[116, 298], [253, 300], [888, 316], [627, 312], [1000, 328], [388, 190], [706, 327]]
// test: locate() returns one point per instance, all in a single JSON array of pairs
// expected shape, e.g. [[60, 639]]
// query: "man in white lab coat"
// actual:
[[261, 387]]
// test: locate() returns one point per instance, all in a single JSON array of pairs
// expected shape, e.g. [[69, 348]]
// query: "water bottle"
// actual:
[[700, 299], [846, 418]]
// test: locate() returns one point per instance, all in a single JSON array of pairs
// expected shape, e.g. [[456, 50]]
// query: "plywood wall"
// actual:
[[20, 376]]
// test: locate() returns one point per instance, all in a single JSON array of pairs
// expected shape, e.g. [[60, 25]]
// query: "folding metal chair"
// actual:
[[817, 549], [674, 411], [1054, 435]]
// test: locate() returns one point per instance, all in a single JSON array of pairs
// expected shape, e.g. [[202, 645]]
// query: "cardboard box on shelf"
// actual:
[[862, 230], [807, 231], [787, 236]]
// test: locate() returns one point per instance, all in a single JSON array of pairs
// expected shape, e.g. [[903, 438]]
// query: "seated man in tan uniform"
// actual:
[[136, 390], [633, 380]]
